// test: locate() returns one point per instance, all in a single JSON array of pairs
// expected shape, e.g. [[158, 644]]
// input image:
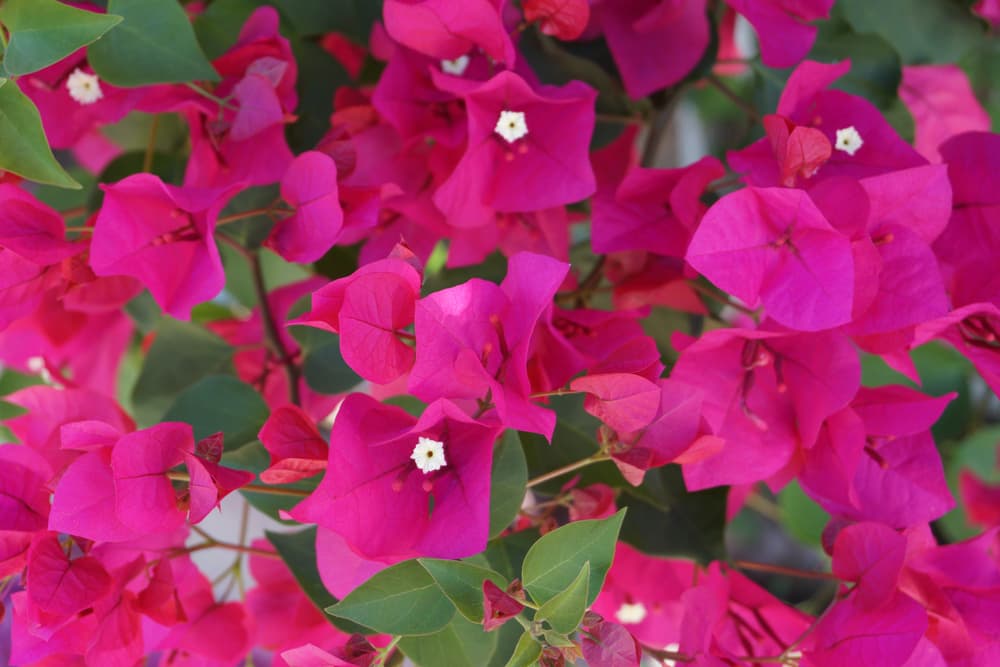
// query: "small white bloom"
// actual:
[[631, 612], [455, 67], [848, 140], [429, 455], [84, 88], [511, 125]]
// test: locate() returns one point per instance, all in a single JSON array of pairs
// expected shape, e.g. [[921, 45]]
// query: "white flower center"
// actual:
[[429, 455], [631, 612], [455, 67], [848, 140], [511, 125], [84, 88]]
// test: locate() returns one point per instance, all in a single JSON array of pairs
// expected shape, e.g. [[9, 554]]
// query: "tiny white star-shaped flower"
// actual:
[[511, 125], [455, 67], [848, 140], [428, 455], [631, 612], [84, 88]]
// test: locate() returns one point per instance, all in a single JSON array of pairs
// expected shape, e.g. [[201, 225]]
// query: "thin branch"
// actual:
[[787, 571], [559, 472], [252, 488], [728, 92], [273, 333]]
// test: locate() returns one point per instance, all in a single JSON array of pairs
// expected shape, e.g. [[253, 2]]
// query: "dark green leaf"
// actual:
[[401, 600], [9, 410], [24, 150], [168, 166], [564, 610], [554, 561], [155, 43], [319, 77], [976, 454], [43, 32], [508, 479], [801, 516], [11, 381], [144, 311], [526, 653], [876, 70], [315, 17], [181, 354], [664, 518], [298, 551], [250, 232], [218, 27], [506, 554], [460, 644], [922, 31], [326, 371], [221, 403], [411, 404], [463, 584]]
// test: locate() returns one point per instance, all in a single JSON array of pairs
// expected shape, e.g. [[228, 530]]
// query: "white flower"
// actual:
[[456, 66], [511, 125], [84, 88], [848, 140], [429, 455], [630, 613]]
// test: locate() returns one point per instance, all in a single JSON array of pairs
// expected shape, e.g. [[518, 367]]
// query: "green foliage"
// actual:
[[507, 480], [564, 611], [24, 150], [461, 643], [221, 403], [254, 458], [401, 600], [154, 43], [462, 583], [324, 367], [556, 559], [43, 32], [526, 653], [801, 516], [181, 354]]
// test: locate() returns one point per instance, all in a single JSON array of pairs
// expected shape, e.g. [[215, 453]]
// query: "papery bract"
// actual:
[[310, 186], [943, 105], [294, 444]]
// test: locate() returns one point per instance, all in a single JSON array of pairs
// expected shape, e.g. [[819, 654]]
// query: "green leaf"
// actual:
[[876, 70], [315, 17], [463, 584], [43, 32], [565, 609], [320, 74], [506, 554], [221, 403], [801, 516], [526, 653], [218, 27], [554, 561], [664, 518], [922, 31], [181, 354], [298, 551], [24, 150], [401, 600], [509, 477], [326, 371], [9, 411], [154, 43], [976, 454], [460, 644]]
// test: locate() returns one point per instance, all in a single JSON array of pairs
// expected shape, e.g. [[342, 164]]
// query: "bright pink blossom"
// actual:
[[296, 448], [446, 30], [943, 105], [783, 27], [310, 186], [162, 235]]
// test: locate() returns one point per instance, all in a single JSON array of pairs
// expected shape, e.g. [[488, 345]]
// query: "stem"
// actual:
[[781, 569], [587, 286], [615, 118], [229, 545], [252, 488], [207, 95], [661, 655], [728, 92], [666, 102], [81, 230], [74, 212], [766, 508], [555, 392], [576, 465], [147, 159], [716, 296], [243, 215], [384, 653], [273, 333]]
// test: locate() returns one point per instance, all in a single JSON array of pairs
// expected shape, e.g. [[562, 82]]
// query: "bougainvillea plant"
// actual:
[[604, 332]]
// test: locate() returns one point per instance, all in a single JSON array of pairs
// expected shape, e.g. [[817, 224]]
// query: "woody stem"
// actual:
[[252, 488], [787, 571], [272, 331], [559, 472]]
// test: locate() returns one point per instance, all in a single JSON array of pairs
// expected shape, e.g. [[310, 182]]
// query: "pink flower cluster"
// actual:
[[839, 239]]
